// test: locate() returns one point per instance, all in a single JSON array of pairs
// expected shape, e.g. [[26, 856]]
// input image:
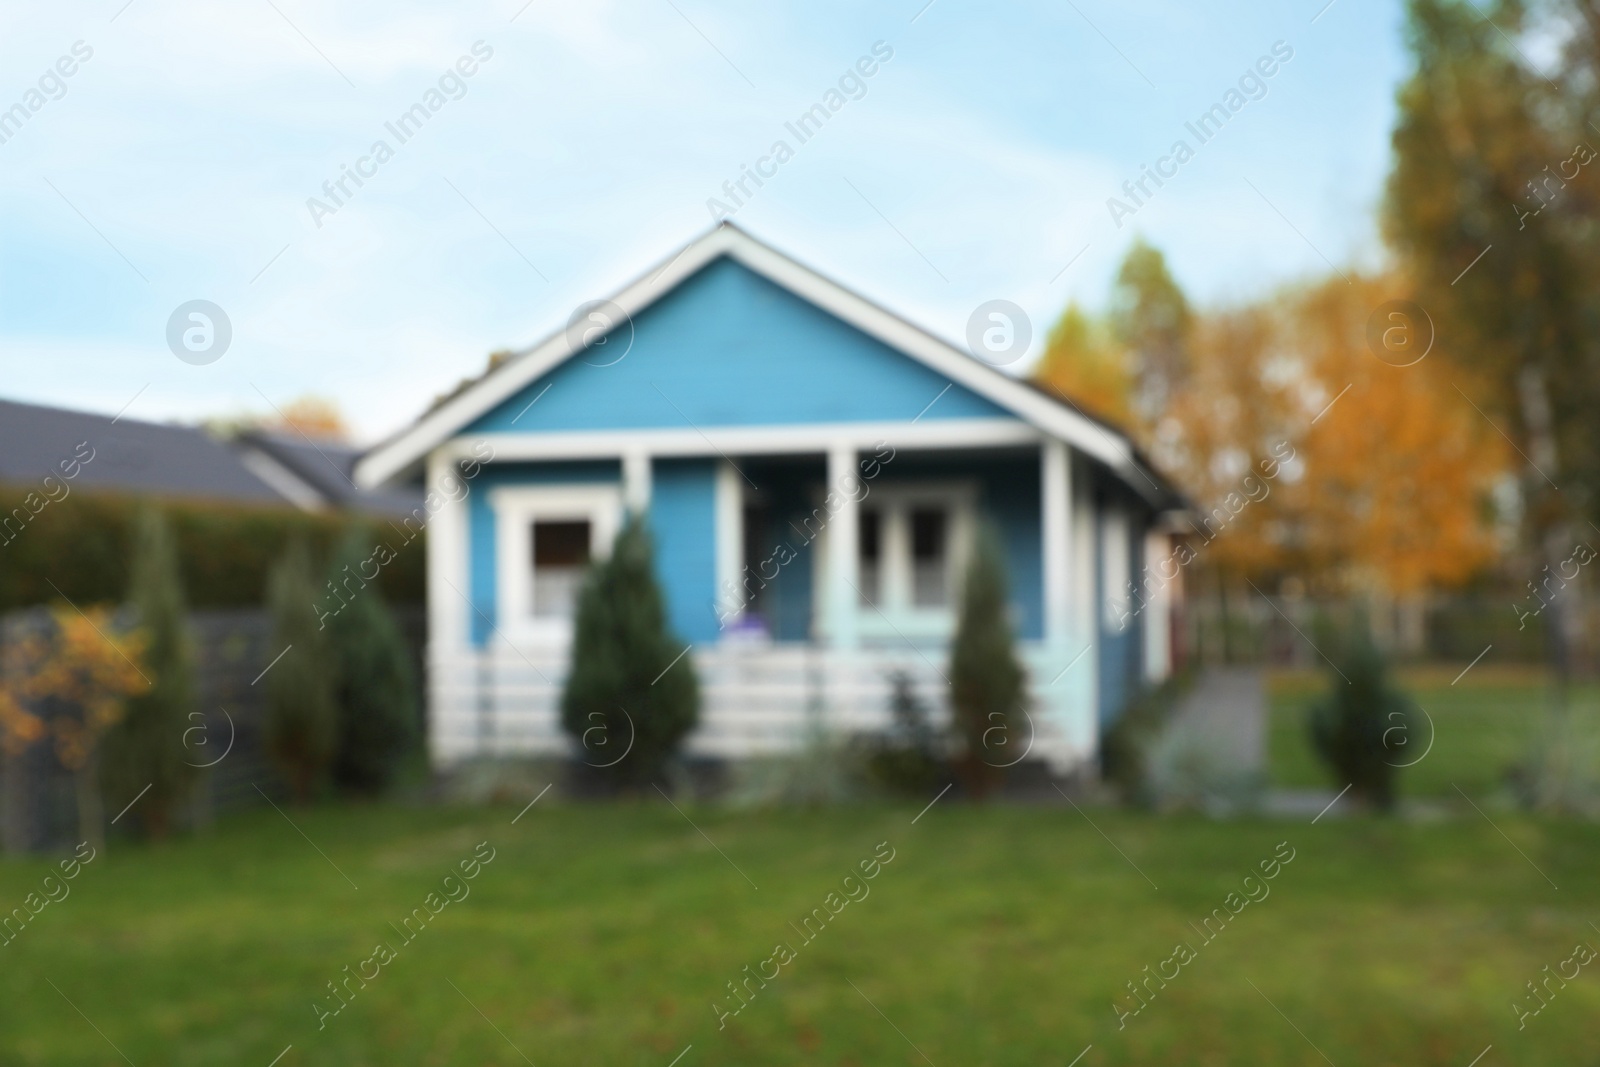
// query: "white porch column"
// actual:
[[844, 486], [452, 674], [1056, 495], [729, 518], [449, 616], [636, 481]]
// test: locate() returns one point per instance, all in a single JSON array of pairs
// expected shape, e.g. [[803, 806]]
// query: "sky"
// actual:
[[178, 160]]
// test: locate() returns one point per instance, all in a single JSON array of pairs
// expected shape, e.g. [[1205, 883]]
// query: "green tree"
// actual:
[[629, 688], [302, 719], [988, 684], [1491, 212], [1361, 727], [374, 686], [1084, 363], [147, 745], [1151, 318]]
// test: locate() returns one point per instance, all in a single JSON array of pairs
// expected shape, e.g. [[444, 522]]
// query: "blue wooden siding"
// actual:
[[480, 524], [683, 511], [729, 348]]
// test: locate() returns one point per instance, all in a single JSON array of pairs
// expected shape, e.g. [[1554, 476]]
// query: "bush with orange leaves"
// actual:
[[80, 666]]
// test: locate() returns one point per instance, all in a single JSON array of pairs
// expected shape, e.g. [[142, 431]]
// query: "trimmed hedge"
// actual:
[[84, 544]]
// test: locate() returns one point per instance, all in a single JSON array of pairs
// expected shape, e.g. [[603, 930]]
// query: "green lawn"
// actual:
[[602, 935], [1483, 725]]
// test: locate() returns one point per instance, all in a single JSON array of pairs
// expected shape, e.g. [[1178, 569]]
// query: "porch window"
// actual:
[[560, 554], [930, 563], [870, 565]]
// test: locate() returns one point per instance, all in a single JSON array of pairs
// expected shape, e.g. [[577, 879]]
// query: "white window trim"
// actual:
[[895, 617], [516, 509]]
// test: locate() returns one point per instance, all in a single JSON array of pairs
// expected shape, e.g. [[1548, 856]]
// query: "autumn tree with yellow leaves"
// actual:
[[1305, 454], [67, 680]]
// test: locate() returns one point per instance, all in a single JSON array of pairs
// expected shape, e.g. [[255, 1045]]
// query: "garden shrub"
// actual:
[[627, 666], [908, 759], [84, 543], [988, 684], [147, 745], [374, 689], [302, 720], [1359, 729]]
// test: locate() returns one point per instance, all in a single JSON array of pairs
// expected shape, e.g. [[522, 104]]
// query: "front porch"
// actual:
[[800, 579]]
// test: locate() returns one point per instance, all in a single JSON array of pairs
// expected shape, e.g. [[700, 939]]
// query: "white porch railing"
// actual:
[[755, 700]]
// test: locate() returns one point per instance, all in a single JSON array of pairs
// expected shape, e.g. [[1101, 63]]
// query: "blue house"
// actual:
[[814, 469]]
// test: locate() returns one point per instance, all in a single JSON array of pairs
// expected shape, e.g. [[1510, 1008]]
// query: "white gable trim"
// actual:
[[1087, 436]]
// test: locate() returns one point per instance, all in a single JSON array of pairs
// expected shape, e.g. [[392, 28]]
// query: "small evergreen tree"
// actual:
[[1360, 727], [988, 684], [622, 650], [374, 688], [147, 745], [301, 727]]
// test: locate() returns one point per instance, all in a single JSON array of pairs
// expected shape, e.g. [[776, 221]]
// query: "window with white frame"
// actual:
[[561, 549], [910, 544], [546, 537], [930, 556]]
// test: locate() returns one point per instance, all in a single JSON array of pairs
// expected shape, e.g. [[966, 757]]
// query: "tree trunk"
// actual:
[[1549, 526], [91, 815], [1552, 542]]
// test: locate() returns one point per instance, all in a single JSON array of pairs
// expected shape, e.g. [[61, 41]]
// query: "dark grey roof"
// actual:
[[122, 454], [126, 455], [326, 467]]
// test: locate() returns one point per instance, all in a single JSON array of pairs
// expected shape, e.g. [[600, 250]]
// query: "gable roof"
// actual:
[[1058, 417]]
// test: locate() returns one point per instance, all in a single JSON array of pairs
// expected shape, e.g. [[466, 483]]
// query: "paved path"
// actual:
[[1225, 716]]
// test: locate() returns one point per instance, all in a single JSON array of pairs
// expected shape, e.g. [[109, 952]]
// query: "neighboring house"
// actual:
[[126, 455], [813, 468], [122, 455]]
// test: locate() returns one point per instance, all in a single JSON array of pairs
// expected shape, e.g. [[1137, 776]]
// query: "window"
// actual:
[[560, 555], [870, 538], [930, 563], [545, 538], [910, 541]]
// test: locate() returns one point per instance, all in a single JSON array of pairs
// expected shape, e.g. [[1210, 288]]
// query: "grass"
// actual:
[[1482, 726], [602, 935]]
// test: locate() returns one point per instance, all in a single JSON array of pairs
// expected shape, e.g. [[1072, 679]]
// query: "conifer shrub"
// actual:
[[374, 687], [302, 717], [988, 684], [628, 690], [148, 744], [1360, 727]]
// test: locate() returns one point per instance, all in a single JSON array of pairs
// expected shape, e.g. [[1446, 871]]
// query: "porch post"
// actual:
[[1056, 495], [842, 490], [636, 481], [730, 592], [452, 675]]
